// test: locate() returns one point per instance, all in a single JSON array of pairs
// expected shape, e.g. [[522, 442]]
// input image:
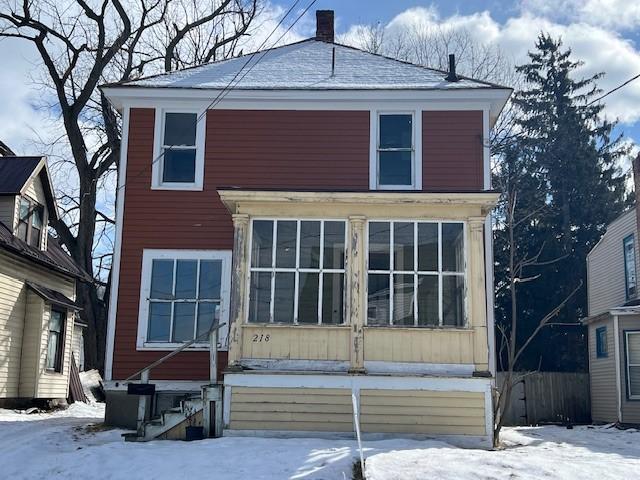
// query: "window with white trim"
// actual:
[[179, 152], [395, 151], [297, 271], [30, 222], [416, 273], [55, 341], [633, 364], [183, 293], [629, 267]]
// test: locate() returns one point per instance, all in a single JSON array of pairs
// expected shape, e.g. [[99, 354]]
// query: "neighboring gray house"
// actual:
[[614, 323]]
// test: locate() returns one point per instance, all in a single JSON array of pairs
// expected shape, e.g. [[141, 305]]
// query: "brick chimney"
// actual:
[[324, 26]]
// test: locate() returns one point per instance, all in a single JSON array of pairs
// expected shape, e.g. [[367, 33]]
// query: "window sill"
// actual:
[[50, 371], [312, 326], [408, 188], [167, 347], [443, 328], [178, 187]]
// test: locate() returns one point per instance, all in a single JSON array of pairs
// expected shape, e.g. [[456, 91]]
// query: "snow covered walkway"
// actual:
[[61, 445]]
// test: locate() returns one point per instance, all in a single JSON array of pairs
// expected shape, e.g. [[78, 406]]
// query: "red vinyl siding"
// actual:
[[255, 149], [259, 149], [452, 151]]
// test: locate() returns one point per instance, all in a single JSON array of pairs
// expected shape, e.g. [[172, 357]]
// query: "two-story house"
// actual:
[[614, 323], [39, 328], [330, 206]]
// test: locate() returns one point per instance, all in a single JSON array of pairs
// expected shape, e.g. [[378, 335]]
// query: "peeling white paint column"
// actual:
[[356, 290], [237, 308], [477, 292]]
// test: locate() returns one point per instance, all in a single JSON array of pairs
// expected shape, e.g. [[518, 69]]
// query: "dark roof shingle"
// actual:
[[14, 173], [54, 257]]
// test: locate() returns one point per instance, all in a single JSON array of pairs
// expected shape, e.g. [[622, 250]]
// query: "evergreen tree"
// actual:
[[571, 190]]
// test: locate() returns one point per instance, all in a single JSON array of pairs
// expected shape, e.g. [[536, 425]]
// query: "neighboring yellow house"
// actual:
[[38, 326]]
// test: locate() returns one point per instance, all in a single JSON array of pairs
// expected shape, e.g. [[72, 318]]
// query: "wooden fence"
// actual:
[[549, 397]]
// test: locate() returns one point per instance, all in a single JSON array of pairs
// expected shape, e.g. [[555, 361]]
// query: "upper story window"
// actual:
[[183, 293], [179, 150], [416, 274], [30, 222], [602, 349], [397, 164], [297, 271], [629, 267]]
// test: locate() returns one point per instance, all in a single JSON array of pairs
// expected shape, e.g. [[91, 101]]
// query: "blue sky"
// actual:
[[603, 33]]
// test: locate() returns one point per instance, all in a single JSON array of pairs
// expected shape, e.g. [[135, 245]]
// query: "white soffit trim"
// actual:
[[459, 99]]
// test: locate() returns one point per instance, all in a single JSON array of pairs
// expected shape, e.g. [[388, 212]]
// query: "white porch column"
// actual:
[[356, 290], [477, 293], [239, 267]]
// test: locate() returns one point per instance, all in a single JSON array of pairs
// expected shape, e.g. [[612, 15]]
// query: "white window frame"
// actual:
[[629, 240], [629, 364], [148, 256], [415, 272], [158, 146], [297, 270], [374, 141]]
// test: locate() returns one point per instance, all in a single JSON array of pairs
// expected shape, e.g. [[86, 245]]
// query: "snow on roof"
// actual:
[[307, 65]]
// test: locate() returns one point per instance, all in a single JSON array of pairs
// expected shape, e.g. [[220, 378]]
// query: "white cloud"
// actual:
[[610, 14], [601, 50]]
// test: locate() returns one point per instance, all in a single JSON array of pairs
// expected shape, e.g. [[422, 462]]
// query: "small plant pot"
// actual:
[[194, 433]]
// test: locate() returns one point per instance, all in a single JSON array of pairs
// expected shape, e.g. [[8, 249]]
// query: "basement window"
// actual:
[[178, 162], [183, 294], [297, 272], [416, 274]]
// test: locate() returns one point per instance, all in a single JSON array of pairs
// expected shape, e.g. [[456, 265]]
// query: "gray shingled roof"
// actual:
[[53, 257], [14, 172], [306, 65]]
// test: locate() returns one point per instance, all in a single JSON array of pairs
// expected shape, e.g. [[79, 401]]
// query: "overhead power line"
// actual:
[[259, 54], [614, 89]]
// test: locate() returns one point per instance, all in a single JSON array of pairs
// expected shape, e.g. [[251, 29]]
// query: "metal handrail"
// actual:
[[215, 326]]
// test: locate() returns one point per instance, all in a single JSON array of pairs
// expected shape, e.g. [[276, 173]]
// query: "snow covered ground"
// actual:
[[64, 445]]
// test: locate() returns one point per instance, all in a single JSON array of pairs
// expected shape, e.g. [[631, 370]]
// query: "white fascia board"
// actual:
[[463, 99]]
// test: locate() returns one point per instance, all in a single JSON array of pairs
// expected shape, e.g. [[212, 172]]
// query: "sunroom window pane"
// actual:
[[633, 352], [262, 243], [403, 246], [395, 167], [308, 297], [452, 247], [52, 349], [159, 321], [379, 244], [210, 279], [259, 297], [428, 247], [334, 239], [186, 275], [180, 129], [396, 131], [332, 298], [283, 297], [403, 295], [179, 165], [309, 244], [428, 313], [378, 300], [207, 313], [634, 381], [162, 279], [286, 244], [184, 316], [453, 300]]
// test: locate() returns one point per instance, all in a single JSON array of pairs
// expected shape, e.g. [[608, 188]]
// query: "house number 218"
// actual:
[[261, 338]]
